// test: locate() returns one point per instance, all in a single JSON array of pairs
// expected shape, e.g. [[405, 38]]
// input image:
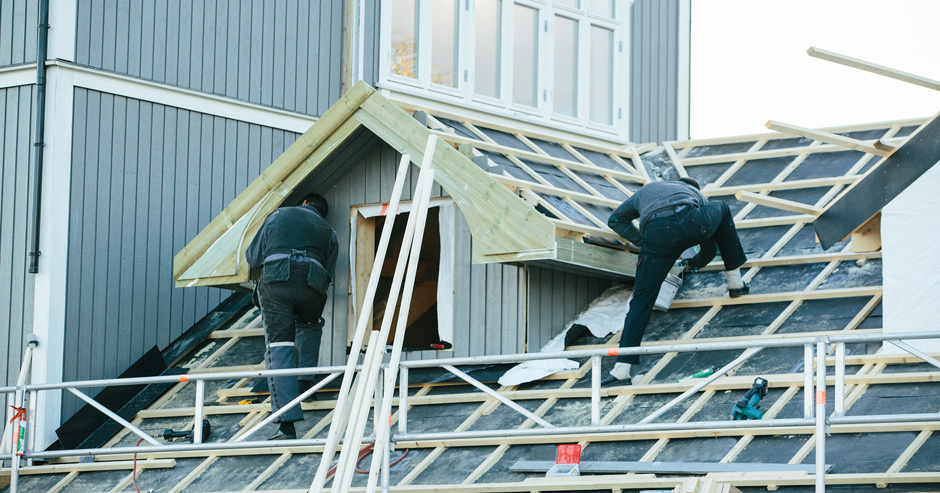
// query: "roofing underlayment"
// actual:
[[797, 289]]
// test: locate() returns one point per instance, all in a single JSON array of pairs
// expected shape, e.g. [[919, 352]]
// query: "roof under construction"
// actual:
[[775, 184]]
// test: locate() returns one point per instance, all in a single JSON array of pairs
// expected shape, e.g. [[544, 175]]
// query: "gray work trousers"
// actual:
[[293, 327]]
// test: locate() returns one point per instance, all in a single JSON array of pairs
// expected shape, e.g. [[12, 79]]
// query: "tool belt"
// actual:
[[276, 268]]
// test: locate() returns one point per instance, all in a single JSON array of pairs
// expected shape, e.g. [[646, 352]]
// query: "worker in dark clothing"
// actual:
[[296, 249], [674, 216]]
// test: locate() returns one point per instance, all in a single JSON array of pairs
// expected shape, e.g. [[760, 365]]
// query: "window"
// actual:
[[488, 27], [549, 62], [602, 62], [566, 66], [444, 46], [404, 53], [525, 55]]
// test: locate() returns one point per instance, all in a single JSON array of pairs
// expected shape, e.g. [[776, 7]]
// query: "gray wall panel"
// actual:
[[146, 179], [280, 53], [18, 29], [554, 299], [16, 286], [654, 69]]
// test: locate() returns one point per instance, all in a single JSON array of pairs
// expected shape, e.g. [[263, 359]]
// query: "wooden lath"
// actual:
[[501, 224]]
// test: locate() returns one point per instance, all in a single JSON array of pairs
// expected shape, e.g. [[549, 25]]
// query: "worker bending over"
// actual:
[[296, 249], [674, 216]]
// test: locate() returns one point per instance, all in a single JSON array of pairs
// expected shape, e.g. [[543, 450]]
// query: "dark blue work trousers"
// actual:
[[293, 328], [664, 239]]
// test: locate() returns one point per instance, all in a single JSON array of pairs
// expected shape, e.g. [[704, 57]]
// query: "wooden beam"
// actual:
[[873, 68], [867, 237], [676, 162], [596, 257], [539, 158], [778, 203], [783, 185], [829, 138], [775, 297], [797, 259], [93, 466]]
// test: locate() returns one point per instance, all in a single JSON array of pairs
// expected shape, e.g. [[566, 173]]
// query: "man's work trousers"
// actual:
[[293, 329], [664, 239]]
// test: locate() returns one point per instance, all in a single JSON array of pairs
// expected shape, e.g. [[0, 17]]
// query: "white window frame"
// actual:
[[464, 96]]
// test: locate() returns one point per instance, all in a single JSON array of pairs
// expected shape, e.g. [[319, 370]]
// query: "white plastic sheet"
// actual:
[[910, 241], [602, 317]]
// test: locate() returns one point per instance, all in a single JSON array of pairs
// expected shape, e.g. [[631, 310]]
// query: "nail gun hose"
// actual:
[[362, 454]]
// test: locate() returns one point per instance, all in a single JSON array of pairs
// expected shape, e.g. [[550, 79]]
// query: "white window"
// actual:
[[558, 63]]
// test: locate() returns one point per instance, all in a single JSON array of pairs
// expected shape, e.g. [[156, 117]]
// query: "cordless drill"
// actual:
[[747, 407]]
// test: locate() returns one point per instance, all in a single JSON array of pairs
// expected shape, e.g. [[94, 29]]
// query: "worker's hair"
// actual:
[[690, 181], [318, 202]]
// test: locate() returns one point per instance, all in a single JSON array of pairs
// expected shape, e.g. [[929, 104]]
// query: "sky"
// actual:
[[749, 63]]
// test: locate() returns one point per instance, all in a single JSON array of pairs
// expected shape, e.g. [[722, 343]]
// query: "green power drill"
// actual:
[[747, 407]]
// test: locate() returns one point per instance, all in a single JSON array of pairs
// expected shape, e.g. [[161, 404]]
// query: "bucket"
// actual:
[[667, 292]]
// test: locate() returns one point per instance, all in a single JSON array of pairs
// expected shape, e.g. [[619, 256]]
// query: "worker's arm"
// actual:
[[331, 259], [255, 252], [621, 221]]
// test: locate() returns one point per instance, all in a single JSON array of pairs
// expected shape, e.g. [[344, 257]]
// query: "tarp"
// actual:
[[602, 317], [910, 240]]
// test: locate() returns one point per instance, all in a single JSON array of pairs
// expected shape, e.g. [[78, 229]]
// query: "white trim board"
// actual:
[[155, 92]]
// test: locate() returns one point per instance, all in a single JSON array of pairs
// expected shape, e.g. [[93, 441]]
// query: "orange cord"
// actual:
[[362, 454]]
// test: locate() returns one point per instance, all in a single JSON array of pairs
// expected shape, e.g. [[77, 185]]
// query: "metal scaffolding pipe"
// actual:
[[822, 349], [95, 404], [685, 395], [917, 352], [808, 397], [505, 400]]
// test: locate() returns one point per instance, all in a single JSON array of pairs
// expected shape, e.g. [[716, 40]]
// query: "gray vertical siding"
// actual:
[[16, 286], [18, 24], [489, 309], [554, 299], [654, 70], [280, 53], [146, 179]]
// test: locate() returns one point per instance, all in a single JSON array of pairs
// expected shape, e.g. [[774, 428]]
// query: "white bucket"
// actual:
[[667, 292]]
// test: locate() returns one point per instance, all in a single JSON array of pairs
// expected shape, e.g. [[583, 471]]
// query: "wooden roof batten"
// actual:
[[502, 225]]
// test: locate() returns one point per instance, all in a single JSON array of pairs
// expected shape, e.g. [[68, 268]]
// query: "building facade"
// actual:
[[157, 114]]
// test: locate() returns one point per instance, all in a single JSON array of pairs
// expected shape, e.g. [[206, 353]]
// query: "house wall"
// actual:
[[18, 29], [659, 70], [911, 274], [16, 286], [489, 305], [285, 54], [146, 179], [554, 299]]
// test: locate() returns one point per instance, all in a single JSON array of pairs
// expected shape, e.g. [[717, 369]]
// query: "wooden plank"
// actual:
[[596, 257], [783, 185], [827, 137], [774, 297], [873, 68], [676, 162], [539, 158], [798, 259], [778, 203], [867, 238]]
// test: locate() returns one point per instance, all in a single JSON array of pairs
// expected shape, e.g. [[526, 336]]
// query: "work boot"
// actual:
[[736, 293], [285, 432], [620, 375], [736, 285]]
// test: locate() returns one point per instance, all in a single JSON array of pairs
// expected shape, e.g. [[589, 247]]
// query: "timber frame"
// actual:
[[501, 224]]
